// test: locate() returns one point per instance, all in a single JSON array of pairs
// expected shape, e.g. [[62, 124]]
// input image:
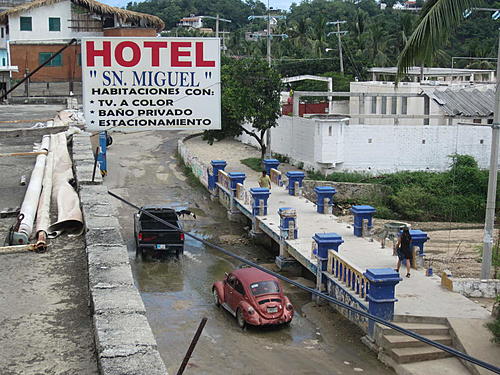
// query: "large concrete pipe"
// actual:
[[30, 203], [43, 212], [69, 215]]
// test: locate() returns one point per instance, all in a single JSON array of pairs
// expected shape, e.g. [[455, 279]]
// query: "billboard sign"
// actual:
[[132, 84]]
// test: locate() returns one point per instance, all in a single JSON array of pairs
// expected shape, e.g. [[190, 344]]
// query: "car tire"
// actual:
[[241, 320], [216, 297], [138, 251]]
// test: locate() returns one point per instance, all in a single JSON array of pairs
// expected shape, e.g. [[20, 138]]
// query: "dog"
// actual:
[[183, 213]]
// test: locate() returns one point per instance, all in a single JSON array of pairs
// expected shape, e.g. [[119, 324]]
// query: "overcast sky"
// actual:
[[278, 4]]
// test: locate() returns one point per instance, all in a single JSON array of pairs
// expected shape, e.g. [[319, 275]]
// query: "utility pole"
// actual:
[[489, 221], [269, 61], [339, 33], [217, 20]]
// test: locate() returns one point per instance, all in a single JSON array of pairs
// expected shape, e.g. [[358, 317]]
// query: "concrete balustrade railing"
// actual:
[[223, 179], [276, 177], [348, 274], [242, 194]]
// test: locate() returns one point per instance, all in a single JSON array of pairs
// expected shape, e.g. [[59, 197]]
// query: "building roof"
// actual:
[[123, 15], [415, 71], [464, 102]]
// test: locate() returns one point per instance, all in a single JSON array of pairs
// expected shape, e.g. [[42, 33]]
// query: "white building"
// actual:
[[195, 22], [427, 103]]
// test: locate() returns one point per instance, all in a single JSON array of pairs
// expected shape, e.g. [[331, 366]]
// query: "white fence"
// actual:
[[328, 145]]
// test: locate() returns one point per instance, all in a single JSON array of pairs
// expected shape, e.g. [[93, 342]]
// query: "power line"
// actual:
[[319, 294]]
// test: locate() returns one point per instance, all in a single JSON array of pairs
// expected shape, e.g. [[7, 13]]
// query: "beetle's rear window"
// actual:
[[264, 287]]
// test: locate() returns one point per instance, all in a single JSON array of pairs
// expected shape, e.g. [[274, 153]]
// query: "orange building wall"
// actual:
[[27, 56]]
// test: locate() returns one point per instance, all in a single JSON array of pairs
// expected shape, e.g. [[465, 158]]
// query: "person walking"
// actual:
[[404, 252], [264, 180]]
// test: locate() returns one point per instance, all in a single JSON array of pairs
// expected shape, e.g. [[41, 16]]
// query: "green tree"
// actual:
[[437, 20], [250, 94]]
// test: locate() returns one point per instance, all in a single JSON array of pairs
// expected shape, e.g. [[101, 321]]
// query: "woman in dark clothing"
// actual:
[[404, 250]]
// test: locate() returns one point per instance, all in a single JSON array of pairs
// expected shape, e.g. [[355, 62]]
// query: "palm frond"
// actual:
[[438, 19]]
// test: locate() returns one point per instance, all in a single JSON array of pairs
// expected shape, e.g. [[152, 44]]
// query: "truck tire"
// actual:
[[138, 251]]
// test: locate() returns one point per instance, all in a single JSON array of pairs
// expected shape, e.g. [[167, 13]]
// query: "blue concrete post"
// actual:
[[236, 178], [288, 223], [270, 163], [381, 294], [324, 242], [259, 201], [217, 165], [324, 193], [294, 180], [418, 238], [362, 213], [101, 158]]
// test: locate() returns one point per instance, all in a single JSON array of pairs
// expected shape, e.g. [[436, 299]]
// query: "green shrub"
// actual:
[[253, 163], [458, 194], [494, 326]]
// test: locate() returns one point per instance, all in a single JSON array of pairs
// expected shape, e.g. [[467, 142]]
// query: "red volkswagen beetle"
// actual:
[[253, 297]]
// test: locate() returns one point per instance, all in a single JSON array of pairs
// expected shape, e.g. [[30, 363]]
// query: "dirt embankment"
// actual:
[[452, 246]]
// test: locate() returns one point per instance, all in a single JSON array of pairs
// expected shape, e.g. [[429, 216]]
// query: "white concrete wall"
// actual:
[[40, 24], [375, 148]]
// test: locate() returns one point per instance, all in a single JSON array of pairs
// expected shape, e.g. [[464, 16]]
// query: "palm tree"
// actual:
[[437, 20]]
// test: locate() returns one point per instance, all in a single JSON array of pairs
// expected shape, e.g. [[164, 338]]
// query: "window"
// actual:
[[384, 105], [394, 105], [374, 104], [476, 121], [238, 287], [4, 61], [44, 56], [481, 141], [54, 24], [330, 131], [404, 105], [490, 121], [423, 141], [264, 287], [25, 23], [1, 32], [79, 59]]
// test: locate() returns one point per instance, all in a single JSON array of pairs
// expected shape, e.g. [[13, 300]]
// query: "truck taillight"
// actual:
[[182, 236], [139, 236]]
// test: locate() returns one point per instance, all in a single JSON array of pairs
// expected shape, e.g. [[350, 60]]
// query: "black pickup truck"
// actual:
[[151, 236]]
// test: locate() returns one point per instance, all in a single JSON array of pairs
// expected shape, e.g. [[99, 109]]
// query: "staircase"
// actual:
[[408, 355]]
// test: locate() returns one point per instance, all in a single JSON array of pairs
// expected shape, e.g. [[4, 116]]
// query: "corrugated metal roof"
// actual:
[[464, 102]]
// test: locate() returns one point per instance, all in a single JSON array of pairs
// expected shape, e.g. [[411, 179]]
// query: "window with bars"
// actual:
[[54, 24], [44, 56], [25, 23], [394, 105], [374, 104], [404, 105]]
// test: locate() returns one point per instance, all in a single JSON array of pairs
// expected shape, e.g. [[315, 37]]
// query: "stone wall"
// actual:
[[199, 169], [347, 191], [476, 288], [124, 341]]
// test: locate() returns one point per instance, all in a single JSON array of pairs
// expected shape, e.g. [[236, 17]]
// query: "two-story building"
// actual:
[[32, 32]]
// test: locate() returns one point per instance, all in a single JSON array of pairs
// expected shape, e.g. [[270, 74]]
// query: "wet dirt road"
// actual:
[[177, 293]]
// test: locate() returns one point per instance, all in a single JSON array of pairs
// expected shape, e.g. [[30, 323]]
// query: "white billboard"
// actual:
[[132, 84]]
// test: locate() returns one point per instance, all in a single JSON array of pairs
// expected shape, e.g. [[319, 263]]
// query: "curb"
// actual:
[[124, 341]]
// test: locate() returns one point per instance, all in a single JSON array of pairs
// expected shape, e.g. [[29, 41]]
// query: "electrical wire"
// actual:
[[319, 294]]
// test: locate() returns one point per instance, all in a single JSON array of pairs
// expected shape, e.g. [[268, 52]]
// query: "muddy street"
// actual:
[[142, 167]]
